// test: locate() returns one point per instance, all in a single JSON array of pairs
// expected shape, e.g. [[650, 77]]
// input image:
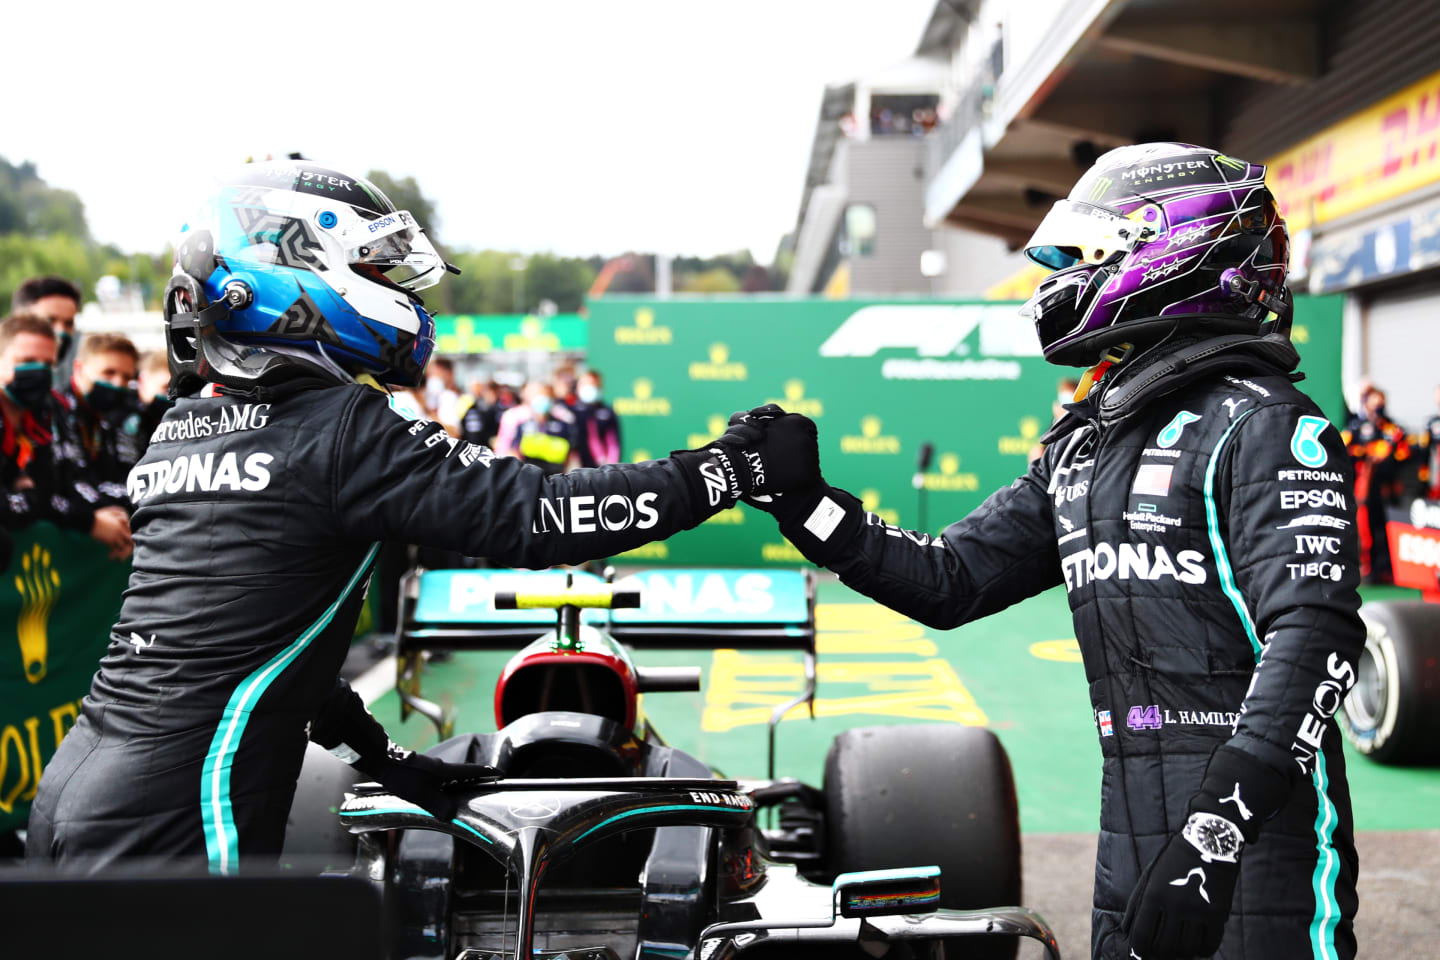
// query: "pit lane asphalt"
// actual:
[[1399, 876]]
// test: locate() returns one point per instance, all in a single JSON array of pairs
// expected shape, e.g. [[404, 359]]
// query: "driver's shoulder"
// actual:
[[1257, 397]]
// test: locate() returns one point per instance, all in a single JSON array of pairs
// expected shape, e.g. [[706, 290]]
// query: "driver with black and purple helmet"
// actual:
[[1196, 507]]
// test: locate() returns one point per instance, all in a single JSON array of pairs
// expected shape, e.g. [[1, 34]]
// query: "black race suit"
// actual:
[[1208, 531], [45, 472], [113, 442], [256, 529]]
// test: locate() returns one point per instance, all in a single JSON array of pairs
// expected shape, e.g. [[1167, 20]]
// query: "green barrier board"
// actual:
[[510, 333], [58, 600], [880, 378]]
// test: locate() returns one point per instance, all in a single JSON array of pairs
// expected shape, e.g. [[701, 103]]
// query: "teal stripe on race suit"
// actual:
[[216, 813], [1327, 861]]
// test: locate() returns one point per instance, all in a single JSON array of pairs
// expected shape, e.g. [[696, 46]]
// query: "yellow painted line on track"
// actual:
[[912, 683]]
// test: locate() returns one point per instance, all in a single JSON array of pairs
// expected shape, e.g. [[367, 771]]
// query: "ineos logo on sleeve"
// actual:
[[589, 514], [1329, 694]]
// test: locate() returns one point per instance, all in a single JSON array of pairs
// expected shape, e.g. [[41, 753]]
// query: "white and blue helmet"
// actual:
[[307, 257]]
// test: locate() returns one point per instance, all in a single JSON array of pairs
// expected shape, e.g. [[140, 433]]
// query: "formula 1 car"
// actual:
[[1392, 714], [602, 842]]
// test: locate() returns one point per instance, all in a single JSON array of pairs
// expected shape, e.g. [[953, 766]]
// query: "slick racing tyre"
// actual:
[[911, 796], [315, 842], [1392, 715]]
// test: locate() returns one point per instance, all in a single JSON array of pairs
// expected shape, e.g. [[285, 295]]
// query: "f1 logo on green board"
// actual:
[[1170, 435], [1305, 443]]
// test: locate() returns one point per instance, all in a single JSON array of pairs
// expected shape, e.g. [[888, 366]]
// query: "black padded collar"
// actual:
[[1170, 367]]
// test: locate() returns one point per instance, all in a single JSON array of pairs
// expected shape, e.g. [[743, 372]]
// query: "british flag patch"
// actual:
[[1107, 729]]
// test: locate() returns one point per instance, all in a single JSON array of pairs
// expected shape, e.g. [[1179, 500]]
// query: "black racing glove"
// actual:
[[345, 728], [817, 518], [1179, 907], [764, 450], [424, 780]]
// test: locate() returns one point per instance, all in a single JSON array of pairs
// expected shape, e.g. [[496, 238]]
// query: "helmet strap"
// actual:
[[1089, 378]]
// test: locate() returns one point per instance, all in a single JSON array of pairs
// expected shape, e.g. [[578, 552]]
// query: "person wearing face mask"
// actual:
[[442, 396], [154, 393], [42, 466], [56, 300], [598, 426], [543, 439], [105, 411], [480, 414]]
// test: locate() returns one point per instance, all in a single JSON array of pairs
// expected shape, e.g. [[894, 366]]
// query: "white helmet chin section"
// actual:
[[1076, 232]]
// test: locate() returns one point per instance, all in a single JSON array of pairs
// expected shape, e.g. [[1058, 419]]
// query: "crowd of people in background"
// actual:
[[557, 424], [78, 414], [1392, 465], [79, 409]]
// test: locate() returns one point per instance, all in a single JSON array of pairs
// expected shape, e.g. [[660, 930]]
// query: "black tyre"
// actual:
[[314, 839], [941, 794], [1392, 714]]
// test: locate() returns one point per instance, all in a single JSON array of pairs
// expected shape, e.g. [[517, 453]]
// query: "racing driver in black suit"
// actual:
[[1196, 507], [260, 507]]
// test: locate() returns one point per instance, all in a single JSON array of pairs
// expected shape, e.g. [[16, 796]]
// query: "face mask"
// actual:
[[588, 393], [433, 385], [31, 386], [159, 405], [104, 397], [63, 342], [541, 405]]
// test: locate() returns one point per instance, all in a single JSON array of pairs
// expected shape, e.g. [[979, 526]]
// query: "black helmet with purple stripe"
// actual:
[[1157, 239]]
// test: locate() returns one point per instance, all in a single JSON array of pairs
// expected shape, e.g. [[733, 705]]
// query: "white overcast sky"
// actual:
[[576, 127]]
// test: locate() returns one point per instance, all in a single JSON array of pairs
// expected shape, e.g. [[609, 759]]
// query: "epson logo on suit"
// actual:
[[1311, 499], [587, 514]]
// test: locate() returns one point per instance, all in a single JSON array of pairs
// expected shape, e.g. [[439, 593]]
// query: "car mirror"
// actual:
[[883, 893]]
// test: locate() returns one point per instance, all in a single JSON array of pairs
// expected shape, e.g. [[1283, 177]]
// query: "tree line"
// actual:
[[43, 230]]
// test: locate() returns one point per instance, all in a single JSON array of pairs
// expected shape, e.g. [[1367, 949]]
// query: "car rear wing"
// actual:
[[702, 608], [680, 609]]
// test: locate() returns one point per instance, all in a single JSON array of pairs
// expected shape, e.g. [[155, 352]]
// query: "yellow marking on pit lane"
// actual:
[[743, 689], [911, 682], [860, 628], [1061, 651], [836, 645]]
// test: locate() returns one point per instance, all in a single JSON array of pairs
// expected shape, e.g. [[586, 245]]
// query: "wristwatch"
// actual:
[[1216, 838]]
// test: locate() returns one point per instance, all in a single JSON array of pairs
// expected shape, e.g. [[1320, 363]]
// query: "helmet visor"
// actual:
[[1074, 232], [396, 247]]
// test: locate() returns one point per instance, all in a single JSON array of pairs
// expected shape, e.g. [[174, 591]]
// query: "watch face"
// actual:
[[1217, 837]]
